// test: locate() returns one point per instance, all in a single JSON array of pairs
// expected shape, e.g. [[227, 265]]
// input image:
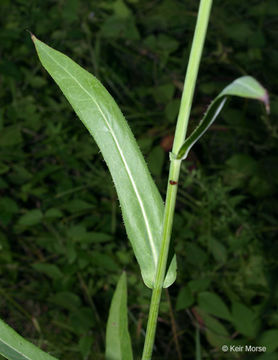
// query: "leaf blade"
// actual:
[[213, 304], [246, 87], [118, 343], [140, 201], [15, 347]]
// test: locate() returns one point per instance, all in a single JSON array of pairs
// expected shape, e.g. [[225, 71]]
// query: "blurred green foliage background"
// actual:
[[62, 242]]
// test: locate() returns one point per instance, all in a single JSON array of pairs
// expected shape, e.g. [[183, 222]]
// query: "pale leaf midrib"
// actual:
[[152, 245], [14, 349]]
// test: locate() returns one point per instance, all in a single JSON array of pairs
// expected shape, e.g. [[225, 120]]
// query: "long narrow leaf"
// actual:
[[140, 201], [118, 344], [246, 87], [15, 347]]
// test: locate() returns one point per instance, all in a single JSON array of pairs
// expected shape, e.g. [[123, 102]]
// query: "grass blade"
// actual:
[[15, 347], [118, 344], [246, 87], [141, 203]]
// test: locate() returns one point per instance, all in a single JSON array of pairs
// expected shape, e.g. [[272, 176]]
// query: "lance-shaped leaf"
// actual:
[[246, 87], [118, 344], [140, 201], [15, 347]]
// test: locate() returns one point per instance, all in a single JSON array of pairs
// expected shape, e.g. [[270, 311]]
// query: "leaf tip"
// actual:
[[33, 37], [265, 100]]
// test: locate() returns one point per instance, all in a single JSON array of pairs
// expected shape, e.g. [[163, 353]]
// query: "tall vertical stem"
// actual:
[[185, 108]]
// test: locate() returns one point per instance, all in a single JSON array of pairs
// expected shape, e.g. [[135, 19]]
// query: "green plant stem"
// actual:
[[185, 108], [191, 73]]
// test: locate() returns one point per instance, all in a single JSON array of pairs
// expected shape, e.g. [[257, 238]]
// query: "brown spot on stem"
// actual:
[[172, 182]]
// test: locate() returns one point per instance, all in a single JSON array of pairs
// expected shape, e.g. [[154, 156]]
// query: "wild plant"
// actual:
[[148, 220]]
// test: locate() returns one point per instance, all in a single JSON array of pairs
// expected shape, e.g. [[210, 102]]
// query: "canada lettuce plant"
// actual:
[[147, 220]]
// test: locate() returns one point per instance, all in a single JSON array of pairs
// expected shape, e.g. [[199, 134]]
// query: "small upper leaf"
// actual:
[[118, 344], [246, 87], [140, 201]]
